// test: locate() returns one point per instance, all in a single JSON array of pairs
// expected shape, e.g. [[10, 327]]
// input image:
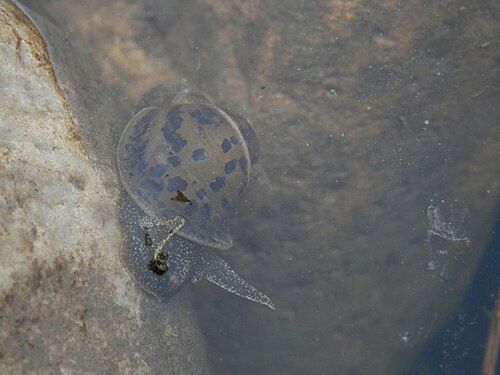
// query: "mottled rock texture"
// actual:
[[66, 303]]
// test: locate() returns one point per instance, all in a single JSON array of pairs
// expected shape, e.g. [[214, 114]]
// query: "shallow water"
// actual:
[[458, 347], [378, 128]]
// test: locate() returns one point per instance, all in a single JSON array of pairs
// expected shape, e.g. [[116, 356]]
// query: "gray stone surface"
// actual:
[[67, 305]]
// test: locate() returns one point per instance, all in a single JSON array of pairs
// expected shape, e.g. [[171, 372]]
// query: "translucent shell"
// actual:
[[188, 159]]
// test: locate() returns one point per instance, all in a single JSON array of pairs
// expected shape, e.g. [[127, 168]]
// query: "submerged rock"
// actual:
[[67, 305]]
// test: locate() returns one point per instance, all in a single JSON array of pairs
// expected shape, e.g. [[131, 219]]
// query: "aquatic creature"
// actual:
[[185, 164]]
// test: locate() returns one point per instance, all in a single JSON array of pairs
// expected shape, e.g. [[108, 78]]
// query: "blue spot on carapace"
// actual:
[[135, 161], [218, 183], [174, 122], [174, 160], [201, 193], [133, 152], [224, 204], [150, 185], [243, 164], [234, 140], [176, 183], [226, 145], [143, 164], [207, 116], [158, 170], [230, 166], [143, 124], [198, 154], [190, 209]]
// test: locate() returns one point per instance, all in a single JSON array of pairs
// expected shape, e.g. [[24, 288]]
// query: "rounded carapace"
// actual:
[[180, 155]]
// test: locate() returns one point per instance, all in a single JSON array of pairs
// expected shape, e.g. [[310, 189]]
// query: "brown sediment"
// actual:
[[24, 32]]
